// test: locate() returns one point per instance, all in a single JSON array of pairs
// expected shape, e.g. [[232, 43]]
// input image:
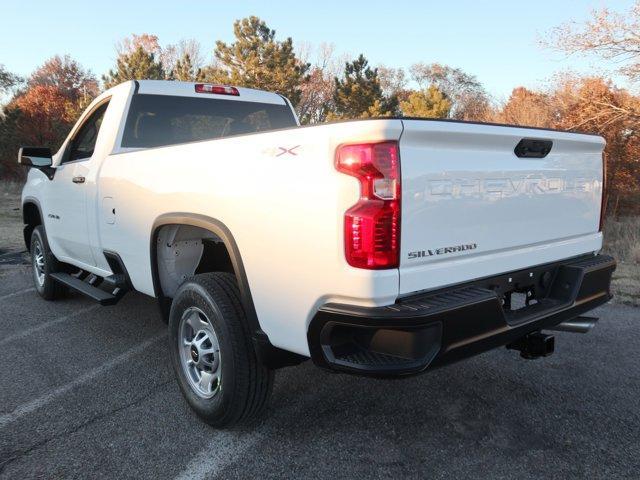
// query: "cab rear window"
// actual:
[[158, 120]]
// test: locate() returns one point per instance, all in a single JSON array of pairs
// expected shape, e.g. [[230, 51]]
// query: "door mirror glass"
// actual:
[[37, 157]]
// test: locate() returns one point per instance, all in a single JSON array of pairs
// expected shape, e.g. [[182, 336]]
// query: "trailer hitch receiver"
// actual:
[[534, 345]]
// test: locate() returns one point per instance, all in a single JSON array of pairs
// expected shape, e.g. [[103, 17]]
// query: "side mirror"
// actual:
[[37, 157]]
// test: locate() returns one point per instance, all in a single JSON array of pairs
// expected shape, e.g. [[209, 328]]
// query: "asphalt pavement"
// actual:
[[88, 392]]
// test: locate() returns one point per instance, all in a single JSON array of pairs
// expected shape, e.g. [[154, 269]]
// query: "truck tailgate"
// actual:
[[472, 208]]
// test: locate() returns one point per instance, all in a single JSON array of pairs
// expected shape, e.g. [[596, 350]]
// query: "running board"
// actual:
[[101, 296]]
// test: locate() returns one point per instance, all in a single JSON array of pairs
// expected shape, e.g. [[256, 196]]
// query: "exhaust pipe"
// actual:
[[576, 325]]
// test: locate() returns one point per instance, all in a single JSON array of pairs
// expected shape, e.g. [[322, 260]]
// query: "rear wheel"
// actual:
[[212, 354], [43, 263]]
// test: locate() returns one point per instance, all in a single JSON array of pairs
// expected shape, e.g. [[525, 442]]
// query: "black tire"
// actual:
[[246, 383], [43, 264]]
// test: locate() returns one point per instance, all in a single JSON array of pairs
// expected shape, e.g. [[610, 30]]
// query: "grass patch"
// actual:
[[10, 188], [11, 239], [622, 241]]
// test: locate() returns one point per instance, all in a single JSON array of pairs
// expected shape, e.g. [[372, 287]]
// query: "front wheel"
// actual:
[[212, 354], [43, 264]]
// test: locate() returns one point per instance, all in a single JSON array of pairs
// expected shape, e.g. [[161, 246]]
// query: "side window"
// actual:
[[84, 142]]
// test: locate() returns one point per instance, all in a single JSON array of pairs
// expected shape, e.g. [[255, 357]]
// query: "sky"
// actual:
[[498, 41]]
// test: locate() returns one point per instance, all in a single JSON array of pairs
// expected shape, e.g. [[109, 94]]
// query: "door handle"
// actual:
[[533, 148], [78, 179]]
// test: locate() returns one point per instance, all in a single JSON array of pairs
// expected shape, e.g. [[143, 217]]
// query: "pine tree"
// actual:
[[429, 103], [185, 71], [257, 60], [359, 94], [137, 65]]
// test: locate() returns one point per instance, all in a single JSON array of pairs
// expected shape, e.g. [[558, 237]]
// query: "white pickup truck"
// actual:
[[378, 247]]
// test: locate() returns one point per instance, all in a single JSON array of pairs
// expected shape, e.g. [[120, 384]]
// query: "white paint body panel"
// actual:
[[285, 211]]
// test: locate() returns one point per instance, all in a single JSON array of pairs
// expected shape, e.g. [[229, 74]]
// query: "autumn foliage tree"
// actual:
[[40, 116], [428, 103], [594, 105], [42, 113], [45, 115], [146, 41], [78, 85], [526, 107], [67, 76]]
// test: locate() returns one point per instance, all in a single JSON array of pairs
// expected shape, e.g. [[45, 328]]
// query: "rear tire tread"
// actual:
[[264, 380], [249, 375]]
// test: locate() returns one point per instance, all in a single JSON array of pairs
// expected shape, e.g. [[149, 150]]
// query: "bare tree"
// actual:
[[190, 47], [168, 56], [317, 92], [611, 35], [148, 42], [469, 99], [393, 81]]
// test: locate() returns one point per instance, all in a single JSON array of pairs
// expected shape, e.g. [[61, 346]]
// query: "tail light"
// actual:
[[603, 203], [217, 89], [372, 225]]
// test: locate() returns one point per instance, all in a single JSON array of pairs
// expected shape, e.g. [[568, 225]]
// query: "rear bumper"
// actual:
[[437, 328]]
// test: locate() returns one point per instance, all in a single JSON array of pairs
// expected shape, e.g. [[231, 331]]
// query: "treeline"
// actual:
[[41, 109]]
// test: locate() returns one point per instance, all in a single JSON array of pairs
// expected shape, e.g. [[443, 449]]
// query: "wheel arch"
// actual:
[[220, 230]]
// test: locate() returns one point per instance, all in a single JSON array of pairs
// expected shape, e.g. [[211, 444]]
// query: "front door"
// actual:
[[65, 206]]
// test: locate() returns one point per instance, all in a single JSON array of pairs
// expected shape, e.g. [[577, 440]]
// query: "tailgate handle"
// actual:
[[533, 148]]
